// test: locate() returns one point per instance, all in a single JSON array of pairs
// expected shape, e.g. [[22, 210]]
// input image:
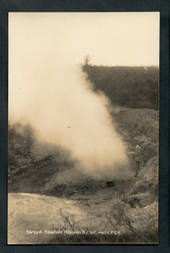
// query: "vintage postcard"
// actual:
[[83, 128]]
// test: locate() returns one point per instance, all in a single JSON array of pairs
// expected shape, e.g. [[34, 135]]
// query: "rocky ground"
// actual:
[[125, 210]]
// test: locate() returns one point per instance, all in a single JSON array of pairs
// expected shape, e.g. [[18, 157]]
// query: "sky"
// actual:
[[110, 38]]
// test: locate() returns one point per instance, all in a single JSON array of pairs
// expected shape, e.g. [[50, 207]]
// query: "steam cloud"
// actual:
[[61, 106]]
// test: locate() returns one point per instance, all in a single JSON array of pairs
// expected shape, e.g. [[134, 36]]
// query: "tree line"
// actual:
[[134, 87]]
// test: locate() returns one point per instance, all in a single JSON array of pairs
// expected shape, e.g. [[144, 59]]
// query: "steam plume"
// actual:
[[63, 109]]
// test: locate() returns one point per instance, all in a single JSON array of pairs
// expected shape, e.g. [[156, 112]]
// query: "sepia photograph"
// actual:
[[83, 128]]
